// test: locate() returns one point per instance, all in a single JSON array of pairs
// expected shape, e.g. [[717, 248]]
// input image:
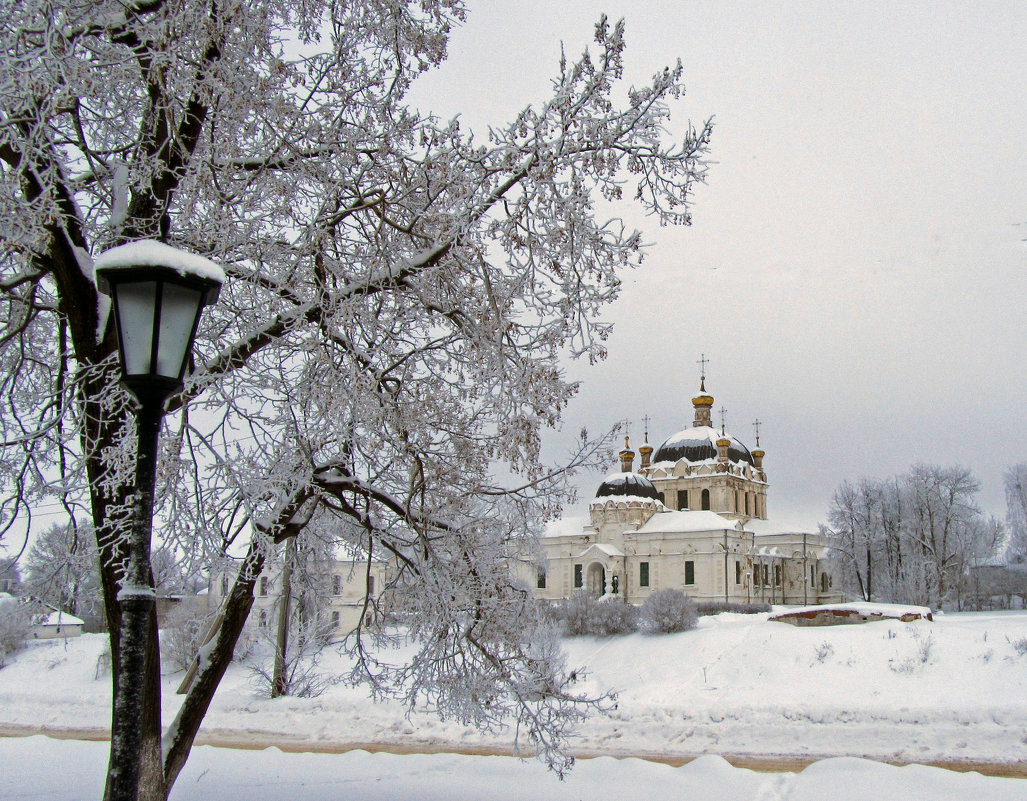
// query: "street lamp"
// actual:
[[157, 293]]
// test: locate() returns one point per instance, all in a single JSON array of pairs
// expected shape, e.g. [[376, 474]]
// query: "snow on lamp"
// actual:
[[158, 293]]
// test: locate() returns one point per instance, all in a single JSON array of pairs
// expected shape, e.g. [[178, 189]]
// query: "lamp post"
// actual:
[[157, 293]]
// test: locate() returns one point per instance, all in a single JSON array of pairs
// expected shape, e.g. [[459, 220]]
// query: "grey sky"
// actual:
[[855, 270]]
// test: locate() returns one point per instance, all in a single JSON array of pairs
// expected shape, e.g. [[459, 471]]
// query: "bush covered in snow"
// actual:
[[14, 628], [716, 607], [585, 615], [667, 611], [182, 636]]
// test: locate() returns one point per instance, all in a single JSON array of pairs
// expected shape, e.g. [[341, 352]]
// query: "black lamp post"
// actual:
[[157, 293]]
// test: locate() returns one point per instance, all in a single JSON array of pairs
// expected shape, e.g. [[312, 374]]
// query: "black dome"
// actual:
[[699, 444], [627, 484]]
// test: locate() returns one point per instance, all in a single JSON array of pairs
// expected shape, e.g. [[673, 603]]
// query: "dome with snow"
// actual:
[[699, 444], [629, 485]]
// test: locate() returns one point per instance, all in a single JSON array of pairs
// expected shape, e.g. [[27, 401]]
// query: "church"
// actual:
[[693, 517]]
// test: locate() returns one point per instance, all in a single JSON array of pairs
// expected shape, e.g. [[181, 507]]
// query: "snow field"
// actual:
[[954, 689]]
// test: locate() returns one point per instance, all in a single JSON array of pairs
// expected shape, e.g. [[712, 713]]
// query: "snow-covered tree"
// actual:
[[1016, 513], [911, 538], [388, 342], [63, 571]]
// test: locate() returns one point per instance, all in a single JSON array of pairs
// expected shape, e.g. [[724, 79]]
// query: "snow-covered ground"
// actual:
[[945, 691]]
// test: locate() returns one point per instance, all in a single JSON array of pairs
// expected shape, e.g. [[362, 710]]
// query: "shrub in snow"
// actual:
[[823, 651], [716, 607], [667, 611], [614, 617], [182, 637], [1020, 646], [14, 628], [585, 615]]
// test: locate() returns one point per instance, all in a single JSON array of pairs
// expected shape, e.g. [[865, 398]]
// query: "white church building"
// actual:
[[693, 517]]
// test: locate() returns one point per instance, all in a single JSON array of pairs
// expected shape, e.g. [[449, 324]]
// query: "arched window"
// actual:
[[706, 500], [747, 503]]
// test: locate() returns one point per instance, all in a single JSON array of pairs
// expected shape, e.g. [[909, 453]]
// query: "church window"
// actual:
[[335, 620], [766, 575], [336, 585], [823, 582], [578, 583], [643, 574], [777, 575], [370, 586], [812, 576], [262, 619], [738, 572], [689, 572], [262, 586], [706, 500], [663, 497], [614, 584], [682, 499], [747, 503], [224, 584], [540, 579]]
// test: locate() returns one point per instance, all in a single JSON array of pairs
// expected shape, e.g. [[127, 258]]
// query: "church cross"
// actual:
[[703, 361], [645, 421], [756, 425], [723, 419]]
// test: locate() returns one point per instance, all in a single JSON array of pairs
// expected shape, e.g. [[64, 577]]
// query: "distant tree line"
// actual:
[[913, 538]]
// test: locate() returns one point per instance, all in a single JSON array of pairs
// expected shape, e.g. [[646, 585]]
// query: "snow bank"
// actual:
[[360, 776]]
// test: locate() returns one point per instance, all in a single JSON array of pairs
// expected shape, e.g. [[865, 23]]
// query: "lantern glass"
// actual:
[[136, 305], [179, 312]]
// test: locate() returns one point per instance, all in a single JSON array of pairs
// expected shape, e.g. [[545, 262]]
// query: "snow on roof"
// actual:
[[59, 619], [685, 521], [609, 550], [157, 254], [766, 527], [566, 526], [605, 499]]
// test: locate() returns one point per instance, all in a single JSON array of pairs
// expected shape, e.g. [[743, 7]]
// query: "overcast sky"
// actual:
[[855, 269]]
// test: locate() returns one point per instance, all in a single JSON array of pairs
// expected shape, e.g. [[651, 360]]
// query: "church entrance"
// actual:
[[596, 580]]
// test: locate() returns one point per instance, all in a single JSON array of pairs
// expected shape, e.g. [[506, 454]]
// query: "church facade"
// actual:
[[693, 517]]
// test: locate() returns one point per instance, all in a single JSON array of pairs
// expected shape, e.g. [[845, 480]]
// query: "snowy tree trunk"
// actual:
[[279, 680]]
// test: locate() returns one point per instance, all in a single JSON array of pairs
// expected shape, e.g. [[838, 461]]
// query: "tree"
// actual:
[[911, 538], [1016, 513], [63, 570], [399, 297]]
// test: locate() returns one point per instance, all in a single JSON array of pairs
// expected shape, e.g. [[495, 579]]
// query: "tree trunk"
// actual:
[[279, 679]]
